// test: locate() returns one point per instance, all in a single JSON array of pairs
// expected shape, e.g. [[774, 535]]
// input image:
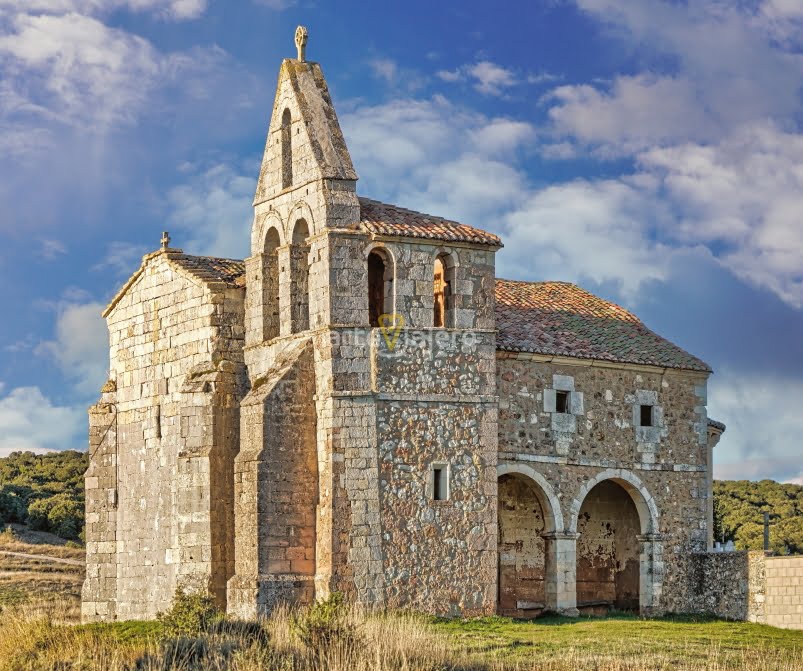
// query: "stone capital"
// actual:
[[560, 536], [650, 538]]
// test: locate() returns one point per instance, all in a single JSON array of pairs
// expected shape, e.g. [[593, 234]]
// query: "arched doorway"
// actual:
[[528, 515], [608, 550]]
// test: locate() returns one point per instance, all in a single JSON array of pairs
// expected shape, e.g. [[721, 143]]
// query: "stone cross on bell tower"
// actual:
[[301, 43]]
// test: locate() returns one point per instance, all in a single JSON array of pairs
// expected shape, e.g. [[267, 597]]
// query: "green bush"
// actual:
[[324, 624], [190, 615], [45, 491]]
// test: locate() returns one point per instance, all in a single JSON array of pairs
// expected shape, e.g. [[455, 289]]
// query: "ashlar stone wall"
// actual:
[[159, 484]]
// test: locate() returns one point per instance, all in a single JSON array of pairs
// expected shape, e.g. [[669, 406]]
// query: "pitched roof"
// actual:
[[206, 269], [384, 219], [561, 319], [211, 268]]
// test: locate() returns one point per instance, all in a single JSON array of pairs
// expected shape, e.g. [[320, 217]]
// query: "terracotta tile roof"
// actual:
[[385, 219], [211, 268], [558, 318], [714, 424]]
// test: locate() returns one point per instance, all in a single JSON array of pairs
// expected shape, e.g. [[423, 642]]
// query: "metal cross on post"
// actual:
[[165, 240], [301, 42]]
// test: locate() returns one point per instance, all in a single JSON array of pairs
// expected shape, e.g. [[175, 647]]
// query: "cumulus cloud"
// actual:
[[212, 211], [73, 69], [714, 141], [488, 78], [634, 113], [31, 421], [438, 157], [587, 230], [81, 345], [762, 415], [123, 258], [742, 197], [171, 9]]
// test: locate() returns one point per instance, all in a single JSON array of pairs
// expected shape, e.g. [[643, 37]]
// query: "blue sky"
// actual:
[[651, 151]]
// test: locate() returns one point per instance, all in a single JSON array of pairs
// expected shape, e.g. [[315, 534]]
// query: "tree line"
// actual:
[[46, 492]]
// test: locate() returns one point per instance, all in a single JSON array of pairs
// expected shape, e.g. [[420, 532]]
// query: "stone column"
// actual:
[[285, 261], [561, 573], [651, 564]]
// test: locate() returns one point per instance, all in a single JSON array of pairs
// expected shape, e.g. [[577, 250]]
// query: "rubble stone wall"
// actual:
[[663, 470]]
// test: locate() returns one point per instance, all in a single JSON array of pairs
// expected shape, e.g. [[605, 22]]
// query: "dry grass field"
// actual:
[[39, 630]]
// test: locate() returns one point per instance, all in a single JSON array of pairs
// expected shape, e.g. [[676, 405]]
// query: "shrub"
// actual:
[[325, 623], [191, 614], [60, 514]]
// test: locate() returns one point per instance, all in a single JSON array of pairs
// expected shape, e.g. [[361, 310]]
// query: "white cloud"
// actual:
[[213, 210], [32, 422], [123, 258], [50, 249], [715, 141], [491, 79], [81, 346], [636, 112], [172, 9], [435, 156], [763, 422], [728, 70], [742, 197], [598, 230], [488, 78], [384, 68], [73, 69], [501, 136]]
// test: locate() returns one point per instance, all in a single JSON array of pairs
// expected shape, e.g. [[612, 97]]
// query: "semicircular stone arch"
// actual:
[[263, 223], [301, 210], [643, 500], [553, 516]]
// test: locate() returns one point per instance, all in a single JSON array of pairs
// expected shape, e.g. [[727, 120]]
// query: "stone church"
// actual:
[[361, 406]]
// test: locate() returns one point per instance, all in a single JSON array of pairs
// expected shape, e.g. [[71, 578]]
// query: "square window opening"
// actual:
[[562, 402], [646, 415], [440, 483]]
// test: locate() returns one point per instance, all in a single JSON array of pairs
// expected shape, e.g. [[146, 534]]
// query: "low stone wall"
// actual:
[[784, 592], [747, 586]]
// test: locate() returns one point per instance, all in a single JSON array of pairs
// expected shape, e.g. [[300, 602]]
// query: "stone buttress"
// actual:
[[163, 438]]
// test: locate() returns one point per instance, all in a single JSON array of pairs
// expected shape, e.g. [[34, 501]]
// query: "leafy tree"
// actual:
[[46, 491], [739, 507]]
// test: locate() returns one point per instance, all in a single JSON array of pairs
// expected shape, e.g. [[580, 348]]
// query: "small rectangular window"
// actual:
[[646, 415], [562, 402], [440, 483]]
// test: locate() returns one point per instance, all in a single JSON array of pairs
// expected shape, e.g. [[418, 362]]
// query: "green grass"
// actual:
[[621, 637]]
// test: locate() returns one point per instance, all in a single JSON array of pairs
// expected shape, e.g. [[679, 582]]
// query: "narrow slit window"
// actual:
[[562, 402], [646, 415], [287, 151], [376, 288], [440, 483], [442, 293]]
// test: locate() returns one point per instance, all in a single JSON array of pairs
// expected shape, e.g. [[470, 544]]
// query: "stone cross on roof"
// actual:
[[301, 42], [165, 240]]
